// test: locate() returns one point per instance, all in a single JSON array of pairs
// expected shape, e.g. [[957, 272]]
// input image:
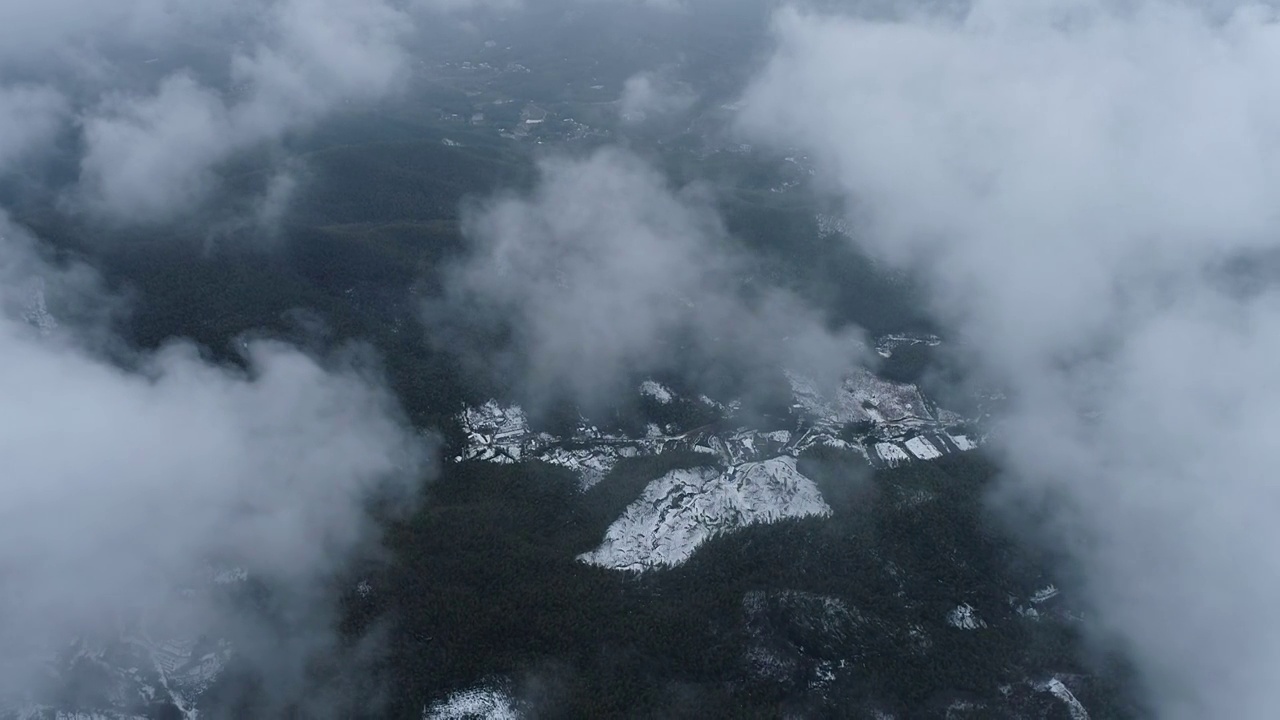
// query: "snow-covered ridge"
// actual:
[[501, 434], [888, 423], [891, 423], [684, 508], [1055, 687], [885, 345], [750, 476]]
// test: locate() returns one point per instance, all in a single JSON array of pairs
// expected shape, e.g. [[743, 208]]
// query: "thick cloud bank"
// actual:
[[1080, 182], [121, 484], [604, 272]]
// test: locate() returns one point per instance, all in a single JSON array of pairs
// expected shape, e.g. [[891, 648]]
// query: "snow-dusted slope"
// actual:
[[684, 508], [501, 434], [1055, 687], [922, 448], [863, 398], [750, 476], [657, 391], [484, 702], [496, 433], [892, 423], [965, 618], [891, 454]]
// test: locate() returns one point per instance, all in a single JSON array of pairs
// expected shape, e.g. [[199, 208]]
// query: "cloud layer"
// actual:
[[121, 483], [604, 273], [1074, 179]]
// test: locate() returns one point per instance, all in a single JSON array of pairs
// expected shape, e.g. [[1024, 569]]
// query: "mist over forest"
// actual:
[[638, 358]]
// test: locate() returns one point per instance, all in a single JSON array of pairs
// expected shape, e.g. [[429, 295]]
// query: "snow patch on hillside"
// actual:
[[922, 449], [965, 617], [495, 433], [657, 391], [890, 454], [888, 423], [479, 703], [501, 434], [1055, 687], [1048, 592], [684, 508]]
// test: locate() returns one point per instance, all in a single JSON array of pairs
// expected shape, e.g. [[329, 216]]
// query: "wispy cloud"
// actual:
[[605, 272], [651, 94]]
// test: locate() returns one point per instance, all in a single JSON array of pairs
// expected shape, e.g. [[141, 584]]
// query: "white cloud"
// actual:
[[453, 6], [1071, 178], [120, 483], [604, 271], [650, 95], [154, 155], [53, 29], [30, 116]]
